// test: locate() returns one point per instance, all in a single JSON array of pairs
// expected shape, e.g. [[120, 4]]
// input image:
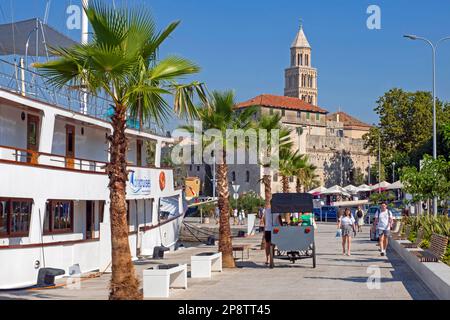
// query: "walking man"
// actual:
[[383, 223]]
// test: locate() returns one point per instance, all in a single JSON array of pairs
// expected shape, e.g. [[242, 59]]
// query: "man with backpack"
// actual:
[[383, 223]]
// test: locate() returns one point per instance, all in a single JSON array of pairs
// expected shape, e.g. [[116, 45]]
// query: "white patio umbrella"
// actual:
[[336, 190], [352, 189], [318, 190], [395, 186], [383, 185], [364, 188]]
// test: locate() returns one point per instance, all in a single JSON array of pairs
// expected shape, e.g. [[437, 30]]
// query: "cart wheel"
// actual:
[[272, 250], [314, 255]]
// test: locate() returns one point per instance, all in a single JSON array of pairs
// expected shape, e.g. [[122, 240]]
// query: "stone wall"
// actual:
[[329, 153]]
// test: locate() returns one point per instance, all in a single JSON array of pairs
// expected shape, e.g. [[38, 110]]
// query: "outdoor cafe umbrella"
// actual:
[[317, 191], [352, 189], [395, 186], [336, 190], [383, 186], [364, 188]]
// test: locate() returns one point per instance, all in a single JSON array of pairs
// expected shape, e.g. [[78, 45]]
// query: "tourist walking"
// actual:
[[359, 219], [347, 225], [241, 217], [217, 214], [383, 223], [235, 216]]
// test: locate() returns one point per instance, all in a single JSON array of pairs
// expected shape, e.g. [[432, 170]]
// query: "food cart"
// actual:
[[293, 238]]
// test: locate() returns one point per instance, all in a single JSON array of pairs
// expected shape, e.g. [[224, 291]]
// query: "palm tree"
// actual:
[[219, 115], [270, 123], [288, 158], [305, 173], [122, 63], [310, 179]]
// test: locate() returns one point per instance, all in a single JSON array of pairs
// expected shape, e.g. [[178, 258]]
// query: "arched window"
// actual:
[[306, 60], [247, 176]]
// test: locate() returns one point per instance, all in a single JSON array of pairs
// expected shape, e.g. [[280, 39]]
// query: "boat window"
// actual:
[[15, 217], [101, 210], [58, 217], [4, 211]]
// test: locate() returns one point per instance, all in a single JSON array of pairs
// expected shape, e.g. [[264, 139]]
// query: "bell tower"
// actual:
[[301, 77]]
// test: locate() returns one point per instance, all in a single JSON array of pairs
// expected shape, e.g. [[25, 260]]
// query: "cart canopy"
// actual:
[[291, 202]]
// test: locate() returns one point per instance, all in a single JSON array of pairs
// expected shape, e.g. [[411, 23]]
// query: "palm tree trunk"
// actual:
[[267, 189], [298, 186], [285, 184], [225, 244], [124, 284]]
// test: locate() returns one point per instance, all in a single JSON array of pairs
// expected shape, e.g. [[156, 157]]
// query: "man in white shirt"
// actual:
[[383, 222]]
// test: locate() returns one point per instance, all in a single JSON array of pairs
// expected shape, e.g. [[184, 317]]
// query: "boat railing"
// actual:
[[30, 84], [35, 158]]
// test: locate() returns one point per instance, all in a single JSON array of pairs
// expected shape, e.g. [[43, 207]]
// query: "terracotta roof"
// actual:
[[281, 102], [347, 119]]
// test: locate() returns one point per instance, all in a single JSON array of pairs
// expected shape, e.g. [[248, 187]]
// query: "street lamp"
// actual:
[[433, 48], [393, 172]]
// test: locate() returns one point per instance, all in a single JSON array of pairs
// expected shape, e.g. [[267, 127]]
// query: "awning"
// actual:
[[14, 37], [291, 202]]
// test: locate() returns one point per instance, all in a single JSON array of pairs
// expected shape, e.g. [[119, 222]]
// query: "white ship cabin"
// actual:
[[54, 196]]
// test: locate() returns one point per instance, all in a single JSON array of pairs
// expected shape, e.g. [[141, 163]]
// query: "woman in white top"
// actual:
[[347, 225]]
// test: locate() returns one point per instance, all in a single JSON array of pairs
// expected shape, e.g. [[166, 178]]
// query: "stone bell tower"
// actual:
[[300, 77]]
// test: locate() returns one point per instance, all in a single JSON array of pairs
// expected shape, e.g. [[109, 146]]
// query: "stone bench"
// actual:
[[157, 281], [204, 263]]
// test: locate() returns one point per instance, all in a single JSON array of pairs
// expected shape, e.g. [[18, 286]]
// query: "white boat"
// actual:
[[54, 196]]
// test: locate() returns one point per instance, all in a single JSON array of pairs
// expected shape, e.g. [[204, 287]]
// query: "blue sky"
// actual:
[[244, 45]]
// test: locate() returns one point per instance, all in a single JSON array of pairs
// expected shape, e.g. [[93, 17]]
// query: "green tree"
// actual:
[[270, 123], [123, 62], [218, 114], [432, 180], [287, 169], [405, 126]]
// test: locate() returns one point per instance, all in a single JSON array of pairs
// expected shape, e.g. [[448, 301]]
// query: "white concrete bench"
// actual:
[[158, 281], [204, 263]]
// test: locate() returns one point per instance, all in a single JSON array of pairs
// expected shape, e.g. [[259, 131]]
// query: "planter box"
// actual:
[[435, 275]]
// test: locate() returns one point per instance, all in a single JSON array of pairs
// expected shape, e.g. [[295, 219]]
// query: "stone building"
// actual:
[[333, 142]]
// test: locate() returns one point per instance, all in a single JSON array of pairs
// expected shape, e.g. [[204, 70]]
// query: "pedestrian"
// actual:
[[359, 219], [347, 225], [241, 217], [383, 223], [268, 226], [235, 216], [217, 214]]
